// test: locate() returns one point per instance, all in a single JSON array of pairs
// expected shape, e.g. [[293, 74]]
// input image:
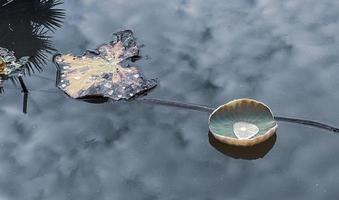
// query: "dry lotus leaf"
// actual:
[[104, 72]]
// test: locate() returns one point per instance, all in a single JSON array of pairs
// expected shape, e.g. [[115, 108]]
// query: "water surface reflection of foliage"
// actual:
[[24, 29], [25, 25]]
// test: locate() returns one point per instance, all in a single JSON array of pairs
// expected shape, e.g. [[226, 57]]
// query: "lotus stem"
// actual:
[[177, 104], [23, 85], [308, 123], [208, 109]]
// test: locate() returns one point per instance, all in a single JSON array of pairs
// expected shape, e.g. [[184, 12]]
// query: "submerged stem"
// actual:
[[208, 109], [308, 123], [177, 104]]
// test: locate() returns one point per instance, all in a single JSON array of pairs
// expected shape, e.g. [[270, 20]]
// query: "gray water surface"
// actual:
[[283, 53]]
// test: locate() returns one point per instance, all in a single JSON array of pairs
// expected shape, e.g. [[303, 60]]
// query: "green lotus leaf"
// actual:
[[242, 122]]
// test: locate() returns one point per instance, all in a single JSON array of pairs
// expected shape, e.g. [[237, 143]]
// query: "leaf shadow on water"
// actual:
[[244, 152]]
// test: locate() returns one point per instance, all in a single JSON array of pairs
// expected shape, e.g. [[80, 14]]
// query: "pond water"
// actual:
[[283, 53]]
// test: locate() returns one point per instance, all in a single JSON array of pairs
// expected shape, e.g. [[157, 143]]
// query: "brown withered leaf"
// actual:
[[104, 72]]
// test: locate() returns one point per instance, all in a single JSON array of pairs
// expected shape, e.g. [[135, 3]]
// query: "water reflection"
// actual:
[[243, 152], [144, 152], [25, 28]]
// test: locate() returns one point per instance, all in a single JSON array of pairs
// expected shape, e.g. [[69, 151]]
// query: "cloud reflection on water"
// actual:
[[281, 53]]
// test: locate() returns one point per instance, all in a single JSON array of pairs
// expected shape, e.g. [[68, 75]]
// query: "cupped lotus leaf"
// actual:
[[9, 64], [104, 72], [242, 122]]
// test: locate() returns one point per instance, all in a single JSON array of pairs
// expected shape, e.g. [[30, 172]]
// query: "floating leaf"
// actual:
[[104, 72], [242, 122]]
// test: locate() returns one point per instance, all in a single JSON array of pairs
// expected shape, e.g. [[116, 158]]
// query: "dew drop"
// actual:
[[245, 130]]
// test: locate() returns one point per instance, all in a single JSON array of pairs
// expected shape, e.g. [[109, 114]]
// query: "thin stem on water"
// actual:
[[308, 123], [177, 104], [208, 109]]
